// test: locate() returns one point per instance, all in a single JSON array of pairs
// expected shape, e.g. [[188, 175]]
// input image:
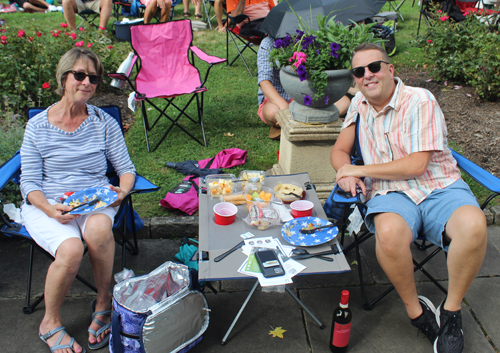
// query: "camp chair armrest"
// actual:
[[213, 60], [483, 177], [10, 169]]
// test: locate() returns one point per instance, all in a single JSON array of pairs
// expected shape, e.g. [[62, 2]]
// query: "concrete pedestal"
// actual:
[[306, 148]]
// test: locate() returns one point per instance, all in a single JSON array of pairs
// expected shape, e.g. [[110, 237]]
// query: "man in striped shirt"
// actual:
[[413, 187]]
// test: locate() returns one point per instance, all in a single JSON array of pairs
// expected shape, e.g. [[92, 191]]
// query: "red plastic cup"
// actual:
[[225, 213], [301, 208]]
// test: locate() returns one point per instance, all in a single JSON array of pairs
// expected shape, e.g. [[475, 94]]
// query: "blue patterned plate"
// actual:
[[106, 195], [290, 231]]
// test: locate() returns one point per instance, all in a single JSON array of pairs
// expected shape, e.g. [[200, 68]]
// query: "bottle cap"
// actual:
[[344, 297]]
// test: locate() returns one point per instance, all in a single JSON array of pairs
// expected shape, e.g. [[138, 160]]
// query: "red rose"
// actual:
[[31, 39], [21, 33], [38, 33], [429, 41], [64, 25], [46, 85], [110, 47], [89, 45], [3, 42], [3, 38], [73, 36]]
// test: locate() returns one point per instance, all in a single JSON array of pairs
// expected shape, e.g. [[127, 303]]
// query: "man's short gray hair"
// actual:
[[370, 46], [68, 62]]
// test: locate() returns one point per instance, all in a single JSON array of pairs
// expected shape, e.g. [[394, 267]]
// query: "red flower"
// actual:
[[31, 39], [3, 42], [110, 47], [38, 33], [3, 38], [73, 35], [79, 44], [55, 34], [21, 33], [89, 45], [64, 25], [429, 41], [439, 11], [80, 29], [444, 18], [3, 30], [466, 13], [46, 85], [67, 33]]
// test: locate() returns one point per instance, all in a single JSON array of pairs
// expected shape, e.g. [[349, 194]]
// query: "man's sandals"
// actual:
[[58, 344], [103, 328]]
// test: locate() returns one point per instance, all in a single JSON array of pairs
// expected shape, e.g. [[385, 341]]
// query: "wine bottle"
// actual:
[[341, 325]]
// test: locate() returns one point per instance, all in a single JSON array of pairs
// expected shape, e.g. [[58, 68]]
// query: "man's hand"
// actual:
[[351, 184], [121, 195], [56, 213]]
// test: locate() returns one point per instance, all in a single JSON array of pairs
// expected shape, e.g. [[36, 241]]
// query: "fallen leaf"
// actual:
[[457, 87], [277, 332], [228, 134], [406, 52], [149, 108], [354, 262], [429, 80], [468, 95], [446, 83]]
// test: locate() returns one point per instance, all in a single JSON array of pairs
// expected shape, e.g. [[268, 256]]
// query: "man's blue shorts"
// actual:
[[429, 218]]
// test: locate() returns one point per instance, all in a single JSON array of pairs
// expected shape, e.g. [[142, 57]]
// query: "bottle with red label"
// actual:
[[341, 325]]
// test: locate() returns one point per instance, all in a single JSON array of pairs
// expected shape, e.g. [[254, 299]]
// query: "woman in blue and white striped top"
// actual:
[[65, 149]]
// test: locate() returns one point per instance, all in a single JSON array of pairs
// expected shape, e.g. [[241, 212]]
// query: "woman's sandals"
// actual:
[[103, 328], [58, 344]]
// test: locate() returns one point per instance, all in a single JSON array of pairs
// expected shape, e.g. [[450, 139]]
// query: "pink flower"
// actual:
[[299, 58], [3, 38], [55, 34], [89, 45], [466, 13], [38, 33], [67, 33], [64, 25], [429, 41], [73, 35], [444, 18], [79, 44], [3, 30], [31, 39], [3, 42], [80, 29], [21, 33], [439, 11], [110, 47], [46, 85]]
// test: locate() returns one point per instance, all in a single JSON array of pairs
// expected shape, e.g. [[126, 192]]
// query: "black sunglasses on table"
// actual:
[[374, 67], [80, 76]]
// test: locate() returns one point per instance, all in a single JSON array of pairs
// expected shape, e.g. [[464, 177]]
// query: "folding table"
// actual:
[[216, 240]]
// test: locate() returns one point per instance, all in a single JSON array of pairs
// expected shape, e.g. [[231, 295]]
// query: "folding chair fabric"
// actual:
[[88, 16], [166, 71]]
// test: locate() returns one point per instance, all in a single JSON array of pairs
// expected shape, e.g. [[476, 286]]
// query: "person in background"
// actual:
[[272, 96], [413, 186], [65, 149], [254, 9], [152, 7], [32, 5], [197, 9], [72, 7]]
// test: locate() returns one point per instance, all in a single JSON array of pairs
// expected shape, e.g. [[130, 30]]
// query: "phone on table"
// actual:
[[269, 264]]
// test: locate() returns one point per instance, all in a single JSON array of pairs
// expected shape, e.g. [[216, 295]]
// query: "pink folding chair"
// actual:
[[166, 71]]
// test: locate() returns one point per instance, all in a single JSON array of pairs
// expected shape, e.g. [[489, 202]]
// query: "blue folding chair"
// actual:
[[126, 218]]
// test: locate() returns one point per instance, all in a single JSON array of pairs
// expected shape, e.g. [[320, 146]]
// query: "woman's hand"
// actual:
[[161, 4], [56, 213], [121, 195]]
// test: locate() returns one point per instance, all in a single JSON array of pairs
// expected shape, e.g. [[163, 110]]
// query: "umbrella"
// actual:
[[193, 168], [281, 20]]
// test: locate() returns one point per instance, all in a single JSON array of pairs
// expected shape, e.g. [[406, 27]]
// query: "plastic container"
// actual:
[[301, 208], [284, 191], [247, 174], [221, 184], [260, 195], [225, 213]]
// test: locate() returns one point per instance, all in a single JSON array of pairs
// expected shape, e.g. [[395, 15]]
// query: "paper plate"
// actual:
[[290, 231], [106, 195]]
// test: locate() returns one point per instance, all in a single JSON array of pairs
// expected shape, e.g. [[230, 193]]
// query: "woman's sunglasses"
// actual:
[[374, 67], [80, 76]]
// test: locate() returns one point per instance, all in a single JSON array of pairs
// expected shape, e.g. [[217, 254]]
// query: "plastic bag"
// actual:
[[262, 217]]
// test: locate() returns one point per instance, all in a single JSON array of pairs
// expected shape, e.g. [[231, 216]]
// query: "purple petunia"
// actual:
[[326, 100], [307, 100], [307, 41], [334, 46], [280, 43], [335, 55], [301, 71]]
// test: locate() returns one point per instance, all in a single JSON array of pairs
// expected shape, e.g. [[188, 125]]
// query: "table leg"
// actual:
[[321, 326], [241, 310]]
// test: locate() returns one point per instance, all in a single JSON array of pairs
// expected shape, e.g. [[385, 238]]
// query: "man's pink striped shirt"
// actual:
[[411, 122]]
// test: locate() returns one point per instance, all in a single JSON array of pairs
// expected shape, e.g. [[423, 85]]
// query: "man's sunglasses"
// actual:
[[80, 76], [374, 67]]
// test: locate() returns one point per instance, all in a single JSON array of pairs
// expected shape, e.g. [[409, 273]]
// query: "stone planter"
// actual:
[[339, 82]]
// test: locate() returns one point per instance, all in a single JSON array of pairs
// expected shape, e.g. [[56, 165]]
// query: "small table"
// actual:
[[216, 240]]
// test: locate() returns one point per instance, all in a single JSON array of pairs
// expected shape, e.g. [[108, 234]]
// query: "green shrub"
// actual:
[[467, 52], [29, 58]]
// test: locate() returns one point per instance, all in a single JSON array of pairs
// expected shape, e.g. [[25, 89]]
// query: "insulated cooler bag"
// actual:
[[158, 312]]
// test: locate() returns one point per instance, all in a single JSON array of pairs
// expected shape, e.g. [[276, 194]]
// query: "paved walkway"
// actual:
[[384, 329]]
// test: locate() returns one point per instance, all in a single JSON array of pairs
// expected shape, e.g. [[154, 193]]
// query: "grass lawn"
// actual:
[[229, 110]]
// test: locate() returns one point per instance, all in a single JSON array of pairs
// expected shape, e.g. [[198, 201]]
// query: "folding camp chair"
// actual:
[[126, 218], [208, 5], [165, 71], [88, 16], [243, 38], [396, 7]]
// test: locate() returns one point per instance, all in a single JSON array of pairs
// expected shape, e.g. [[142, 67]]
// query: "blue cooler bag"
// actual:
[[158, 312]]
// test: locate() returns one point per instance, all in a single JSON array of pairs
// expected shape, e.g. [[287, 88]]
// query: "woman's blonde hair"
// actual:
[[68, 62]]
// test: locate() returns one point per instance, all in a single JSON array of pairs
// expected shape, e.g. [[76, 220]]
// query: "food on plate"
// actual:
[[221, 187], [78, 202], [286, 191], [100, 204], [309, 226], [235, 199]]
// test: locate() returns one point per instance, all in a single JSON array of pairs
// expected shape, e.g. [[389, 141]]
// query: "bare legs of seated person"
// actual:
[[70, 9], [33, 5], [153, 5], [219, 12], [197, 9], [62, 272]]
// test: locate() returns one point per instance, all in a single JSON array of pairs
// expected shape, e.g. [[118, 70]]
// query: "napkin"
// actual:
[[284, 212]]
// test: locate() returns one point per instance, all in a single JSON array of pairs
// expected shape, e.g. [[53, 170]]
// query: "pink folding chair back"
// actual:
[[165, 68]]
